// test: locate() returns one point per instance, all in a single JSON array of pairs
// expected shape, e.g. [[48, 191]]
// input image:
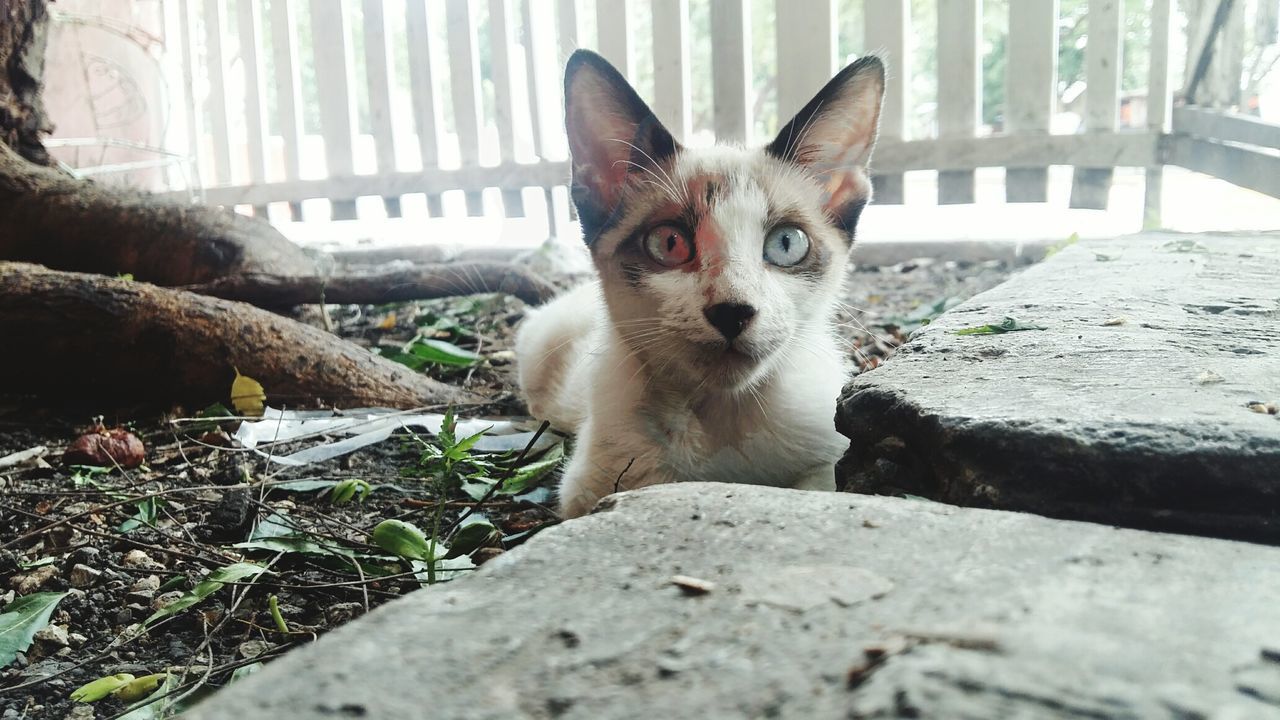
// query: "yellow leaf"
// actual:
[[247, 395], [388, 322], [137, 689]]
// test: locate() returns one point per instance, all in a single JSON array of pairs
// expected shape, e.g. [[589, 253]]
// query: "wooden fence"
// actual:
[[504, 135]]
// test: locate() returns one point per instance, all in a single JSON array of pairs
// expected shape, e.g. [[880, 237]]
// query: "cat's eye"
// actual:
[[786, 245], [668, 246]]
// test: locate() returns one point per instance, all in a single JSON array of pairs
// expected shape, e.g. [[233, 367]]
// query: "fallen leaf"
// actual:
[[692, 585], [21, 619], [211, 584], [106, 448], [1009, 324], [247, 395]]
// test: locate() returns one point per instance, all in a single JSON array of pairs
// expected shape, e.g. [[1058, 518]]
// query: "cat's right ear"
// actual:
[[612, 133]]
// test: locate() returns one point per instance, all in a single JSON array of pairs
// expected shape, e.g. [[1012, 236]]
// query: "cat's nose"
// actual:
[[729, 318]]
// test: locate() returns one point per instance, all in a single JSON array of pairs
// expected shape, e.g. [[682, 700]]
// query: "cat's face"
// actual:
[[714, 260]]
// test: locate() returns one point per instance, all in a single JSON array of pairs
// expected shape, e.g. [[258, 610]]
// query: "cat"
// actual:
[[706, 350]]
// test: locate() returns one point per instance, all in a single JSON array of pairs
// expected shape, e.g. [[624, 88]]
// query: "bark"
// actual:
[[431, 281], [65, 223], [97, 341], [23, 25]]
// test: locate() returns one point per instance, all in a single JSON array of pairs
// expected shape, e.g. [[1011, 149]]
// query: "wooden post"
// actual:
[[378, 64], [886, 31], [1031, 75], [331, 50], [806, 52], [464, 73], [1091, 187], [731, 70], [613, 33], [423, 86], [672, 96], [284, 56], [959, 88], [1159, 106]]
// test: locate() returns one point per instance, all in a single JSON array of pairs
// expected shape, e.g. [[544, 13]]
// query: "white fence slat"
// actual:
[[570, 27], [215, 22], [1031, 77], [288, 68], [959, 82], [543, 78], [464, 73], [732, 97], [331, 50], [1159, 104], [195, 118], [1091, 186], [378, 67], [255, 91], [806, 34], [672, 91], [886, 29], [613, 33], [502, 42], [424, 88]]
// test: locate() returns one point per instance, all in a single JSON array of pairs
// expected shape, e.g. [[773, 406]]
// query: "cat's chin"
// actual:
[[730, 368]]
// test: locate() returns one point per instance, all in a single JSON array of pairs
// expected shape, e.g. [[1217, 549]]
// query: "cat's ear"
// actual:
[[833, 135], [612, 133]]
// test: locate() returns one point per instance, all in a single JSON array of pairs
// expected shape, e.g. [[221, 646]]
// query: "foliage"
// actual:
[[213, 583], [1008, 325], [22, 619]]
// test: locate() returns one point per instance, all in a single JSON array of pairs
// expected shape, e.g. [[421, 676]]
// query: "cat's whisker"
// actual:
[[670, 181]]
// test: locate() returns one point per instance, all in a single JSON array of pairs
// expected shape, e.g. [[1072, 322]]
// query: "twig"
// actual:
[[498, 483], [618, 482]]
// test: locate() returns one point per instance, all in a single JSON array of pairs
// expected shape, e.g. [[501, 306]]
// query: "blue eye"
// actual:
[[786, 245]]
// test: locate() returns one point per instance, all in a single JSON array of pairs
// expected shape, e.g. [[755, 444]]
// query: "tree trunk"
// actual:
[[22, 40], [90, 340]]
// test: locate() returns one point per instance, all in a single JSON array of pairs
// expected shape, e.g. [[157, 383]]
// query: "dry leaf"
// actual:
[[247, 395]]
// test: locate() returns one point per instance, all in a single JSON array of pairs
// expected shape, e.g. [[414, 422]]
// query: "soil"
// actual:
[[197, 496]]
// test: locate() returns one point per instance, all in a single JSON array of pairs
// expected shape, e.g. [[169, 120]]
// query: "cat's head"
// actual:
[[714, 259]]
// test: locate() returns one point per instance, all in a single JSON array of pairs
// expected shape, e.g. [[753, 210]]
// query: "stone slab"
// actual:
[[1130, 407], [978, 614]]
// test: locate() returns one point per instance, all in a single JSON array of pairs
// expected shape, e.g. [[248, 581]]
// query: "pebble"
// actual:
[[80, 711], [141, 560], [82, 576], [52, 636], [253, 648], [150, 582], [164, 600], [85, 555], [29, 582]]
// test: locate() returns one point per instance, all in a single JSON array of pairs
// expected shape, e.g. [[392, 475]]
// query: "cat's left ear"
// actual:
[[833, 135]]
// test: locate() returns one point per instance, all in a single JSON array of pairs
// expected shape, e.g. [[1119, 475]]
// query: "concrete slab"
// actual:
[[1131, 407], [820, 605]]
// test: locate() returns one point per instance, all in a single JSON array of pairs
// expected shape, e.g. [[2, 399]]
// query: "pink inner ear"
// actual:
[[605, 168]]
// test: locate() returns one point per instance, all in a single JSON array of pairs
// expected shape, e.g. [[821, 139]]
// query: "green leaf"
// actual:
[[528, 477], [100, 688], [413, 362], [471, 537], [305, 485], [444, 570], [241, 673], [1009, 324], [21, 619], [164, 705], [203, 589], [24, 565], [294, 544], [441, 352], [139, 688], [459, 450], [403, 539], [148, 513], [349, 489]]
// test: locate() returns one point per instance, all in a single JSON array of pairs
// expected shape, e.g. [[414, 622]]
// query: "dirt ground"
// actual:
[[296, 546]]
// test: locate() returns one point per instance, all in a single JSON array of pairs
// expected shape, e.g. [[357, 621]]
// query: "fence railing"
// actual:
[[427, 97]]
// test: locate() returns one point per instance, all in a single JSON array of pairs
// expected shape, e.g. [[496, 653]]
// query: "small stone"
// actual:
[[77, 639], [253, 648], [52, 636], [81, 711], [342, 612], [82, 576], [141, 560], [164, 600], [692, 585], [29, 582], [84, 555], [149, 583]]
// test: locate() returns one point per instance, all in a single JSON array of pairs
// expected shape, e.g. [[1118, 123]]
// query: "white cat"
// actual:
[[706, 350]]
